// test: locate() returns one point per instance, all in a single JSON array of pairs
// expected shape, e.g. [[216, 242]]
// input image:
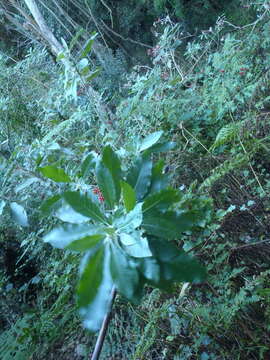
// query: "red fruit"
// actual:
[[242, 73], [243, 69], [222, 71]]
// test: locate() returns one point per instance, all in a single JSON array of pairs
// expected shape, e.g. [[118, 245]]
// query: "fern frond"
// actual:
[[223, 169], [227, 134]]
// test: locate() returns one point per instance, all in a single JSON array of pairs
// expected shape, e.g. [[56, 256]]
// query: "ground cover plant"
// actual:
[[178, 118]]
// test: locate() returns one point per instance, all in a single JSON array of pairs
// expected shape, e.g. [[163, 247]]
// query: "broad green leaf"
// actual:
[[159, 180], [161, 200], [127, 239], [2, 205], [131, 221], [65, 45], [67, 214], [95, 287], [135, 245], [84, 71], [163, 250], [160, 147], [175, 264], [150, 140], [124, 273], [82, 64], [60, 56], [86, 243], [176, 80], [167, 225], [25, 184], [75, 237], [139, 177], [88, 164], [150, 269], [88, 46], [108, 173], [129, 196], [75, 38], [51, 204], [106, 184], [55, 174], [83, 205], [19, 214], [93, 75], [111, 161]]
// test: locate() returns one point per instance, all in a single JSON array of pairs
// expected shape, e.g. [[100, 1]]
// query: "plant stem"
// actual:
[[103, 330]]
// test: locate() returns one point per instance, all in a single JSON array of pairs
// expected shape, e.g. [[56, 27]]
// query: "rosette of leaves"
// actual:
[[125, 239]]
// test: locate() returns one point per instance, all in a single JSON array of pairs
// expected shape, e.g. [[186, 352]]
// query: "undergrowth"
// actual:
[[210, 96]]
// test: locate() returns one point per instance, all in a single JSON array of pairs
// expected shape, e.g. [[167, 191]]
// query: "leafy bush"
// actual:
[[124, 242], [211, 97]]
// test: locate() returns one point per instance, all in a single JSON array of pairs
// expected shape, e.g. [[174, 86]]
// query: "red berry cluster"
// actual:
[[242, 71], [97, 191]]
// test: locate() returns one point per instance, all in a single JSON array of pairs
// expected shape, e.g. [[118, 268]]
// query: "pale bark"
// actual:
[[56, 46], [37, 23]]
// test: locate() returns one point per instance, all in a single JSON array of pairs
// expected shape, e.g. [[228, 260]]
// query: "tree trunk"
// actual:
[[55, 45], [39, 27]]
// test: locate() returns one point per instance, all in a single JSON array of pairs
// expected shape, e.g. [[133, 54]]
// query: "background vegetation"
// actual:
[[199, 71]]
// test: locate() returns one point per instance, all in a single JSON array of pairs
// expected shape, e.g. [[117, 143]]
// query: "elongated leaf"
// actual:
[[86, 243], [67, 214], [93, 75], [19, 214], [2, 205], [75, 38], [94, 287], [111, 161], [83, 205], [139, 177], [160, 147], [167, 225], [150, 140], [88, 46], [108, 175], [82, 64], [51, 204], [128, 223], [55, 174], [135, 245], [60, 56], [124, 273], [85, 71], [75, 237], [106, 184], [161, 201], [175, 264], [88, 164], [129, 196], [159, 180], [150, 269]]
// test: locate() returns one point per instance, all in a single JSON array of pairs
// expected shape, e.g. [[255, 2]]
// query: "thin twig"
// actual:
[[103, 330]]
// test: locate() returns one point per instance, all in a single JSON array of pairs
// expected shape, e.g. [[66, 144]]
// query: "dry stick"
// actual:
[[104, 328]]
